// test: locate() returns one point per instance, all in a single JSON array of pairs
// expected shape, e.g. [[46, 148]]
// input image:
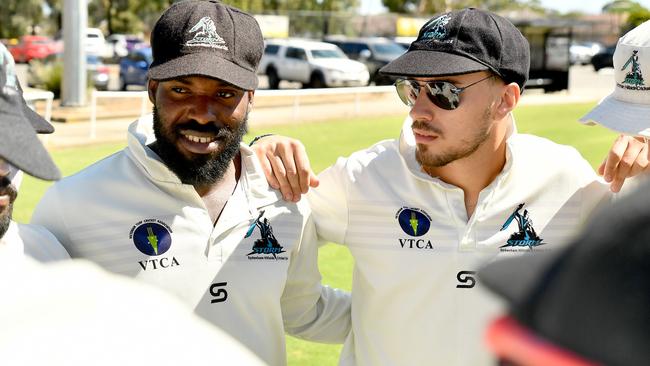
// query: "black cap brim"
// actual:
[[426, 63], [515, 279], [195, 64], [20, 146]]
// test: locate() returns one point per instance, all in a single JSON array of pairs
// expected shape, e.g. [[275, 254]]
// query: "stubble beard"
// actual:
[[5, 217], [431, 160], [200, 169]]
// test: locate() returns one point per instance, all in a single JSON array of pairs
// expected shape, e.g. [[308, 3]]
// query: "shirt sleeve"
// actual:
[[40, 244], [311, 310], [49, 214], [329, 203]]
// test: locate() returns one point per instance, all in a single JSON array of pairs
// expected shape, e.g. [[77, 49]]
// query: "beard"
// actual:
[[6, 188], [430, 159], [199, 169]]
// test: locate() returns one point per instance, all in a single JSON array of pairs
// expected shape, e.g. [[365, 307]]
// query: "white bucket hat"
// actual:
[[627, 108]]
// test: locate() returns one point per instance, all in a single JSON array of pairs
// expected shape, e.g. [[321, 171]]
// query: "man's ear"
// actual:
[[508, 100], [251, 95], [152, 86]]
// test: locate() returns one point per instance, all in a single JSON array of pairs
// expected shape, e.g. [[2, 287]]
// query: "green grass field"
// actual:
[[327, 141]]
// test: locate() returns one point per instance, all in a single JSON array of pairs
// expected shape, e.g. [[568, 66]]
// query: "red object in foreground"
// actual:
[[513, 342]]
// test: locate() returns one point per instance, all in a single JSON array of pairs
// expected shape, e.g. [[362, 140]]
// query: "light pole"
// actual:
[[75, 21]]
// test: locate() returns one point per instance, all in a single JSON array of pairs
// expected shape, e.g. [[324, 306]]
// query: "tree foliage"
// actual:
[[19, 17]]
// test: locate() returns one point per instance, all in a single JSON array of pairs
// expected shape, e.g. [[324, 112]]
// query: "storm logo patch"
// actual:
[[267, 246]]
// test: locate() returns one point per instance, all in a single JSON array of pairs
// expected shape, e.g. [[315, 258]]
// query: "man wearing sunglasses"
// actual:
[[459, 187]]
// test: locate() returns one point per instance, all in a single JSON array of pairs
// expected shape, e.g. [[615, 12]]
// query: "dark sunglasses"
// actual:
[[441, 93]]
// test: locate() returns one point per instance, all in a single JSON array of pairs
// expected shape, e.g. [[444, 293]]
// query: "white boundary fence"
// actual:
[[143, 95], [296, 94], [48, 96]]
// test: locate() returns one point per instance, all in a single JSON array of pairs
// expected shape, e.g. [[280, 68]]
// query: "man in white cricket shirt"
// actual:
[[20, 150], [458, 188], [71, 312], [190, 210]]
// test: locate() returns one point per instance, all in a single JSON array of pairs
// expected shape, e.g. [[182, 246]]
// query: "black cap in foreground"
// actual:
[[465, 41], [207, 38], [593, 297], [19, 144]]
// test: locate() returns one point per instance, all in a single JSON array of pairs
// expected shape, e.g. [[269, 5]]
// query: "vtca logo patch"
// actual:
[[267, 246], [153, 238], [526, 235], [414, 222]]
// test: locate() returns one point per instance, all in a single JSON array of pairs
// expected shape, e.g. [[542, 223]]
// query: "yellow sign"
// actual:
[[409, 27], [273, 26]]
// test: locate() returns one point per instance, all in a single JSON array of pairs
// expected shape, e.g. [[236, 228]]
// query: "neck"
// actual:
[[475, 172]]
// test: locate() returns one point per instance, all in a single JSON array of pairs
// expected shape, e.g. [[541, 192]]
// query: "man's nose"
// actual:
[[204, 109], [422, 109]]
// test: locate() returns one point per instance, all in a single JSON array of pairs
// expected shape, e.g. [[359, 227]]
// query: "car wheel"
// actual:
[[317, 81], [274, 80]]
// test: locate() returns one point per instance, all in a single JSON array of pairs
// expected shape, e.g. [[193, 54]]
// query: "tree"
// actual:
[[19, 17], [437, 6]]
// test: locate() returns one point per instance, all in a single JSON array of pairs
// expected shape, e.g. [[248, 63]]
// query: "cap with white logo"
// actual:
[[207, 38], [627, 108]]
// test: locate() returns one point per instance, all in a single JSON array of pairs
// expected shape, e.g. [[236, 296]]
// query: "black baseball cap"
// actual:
[[592, 297], [207, 38], [465, 41], [19, 144]]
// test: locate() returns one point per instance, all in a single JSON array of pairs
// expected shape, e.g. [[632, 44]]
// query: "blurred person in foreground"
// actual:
[[71, 312], [461, 186], [20, 150], [186, 206]]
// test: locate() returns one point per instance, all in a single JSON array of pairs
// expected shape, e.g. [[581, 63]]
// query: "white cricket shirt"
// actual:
[[33, 241], [130, 214], [415, 300]]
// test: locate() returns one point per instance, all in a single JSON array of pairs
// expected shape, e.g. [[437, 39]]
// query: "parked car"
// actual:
[[119, 45], [405, 42], [373, 52], [98, 73], [582, 52], [604, 58], [134, 67], [95, 43], [33, 48], [314, 64]]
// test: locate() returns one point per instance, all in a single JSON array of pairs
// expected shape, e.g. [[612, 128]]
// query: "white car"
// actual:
[[95, 44], [314, 64]]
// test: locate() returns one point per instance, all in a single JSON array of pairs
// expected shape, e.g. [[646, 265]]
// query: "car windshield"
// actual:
[[327, 54], [388, 49], [91, 59]]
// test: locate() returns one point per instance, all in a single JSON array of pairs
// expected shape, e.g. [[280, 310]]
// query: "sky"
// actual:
[[587, 6]]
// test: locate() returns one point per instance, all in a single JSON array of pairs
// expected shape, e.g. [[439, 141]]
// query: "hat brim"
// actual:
[[20, 146], [515, 279], [628, 118], [195, 64], [40, 124], [431, 63]]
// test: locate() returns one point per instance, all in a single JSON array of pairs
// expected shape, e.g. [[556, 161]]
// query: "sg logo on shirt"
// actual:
[[466, 279], [218, 292]]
